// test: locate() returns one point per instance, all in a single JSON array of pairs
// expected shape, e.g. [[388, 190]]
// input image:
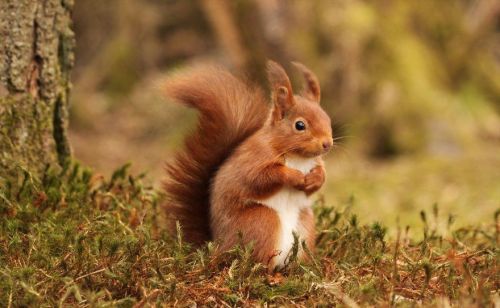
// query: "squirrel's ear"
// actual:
[[311, 90], [281, 89]]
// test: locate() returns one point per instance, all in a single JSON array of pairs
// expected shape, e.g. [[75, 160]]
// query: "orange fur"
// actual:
[[229, 112], [238, 160]]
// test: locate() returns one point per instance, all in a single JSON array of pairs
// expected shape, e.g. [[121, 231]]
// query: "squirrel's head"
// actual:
[[300, 126]]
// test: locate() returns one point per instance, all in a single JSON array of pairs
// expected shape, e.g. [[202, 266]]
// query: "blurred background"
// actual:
[[413, 88]]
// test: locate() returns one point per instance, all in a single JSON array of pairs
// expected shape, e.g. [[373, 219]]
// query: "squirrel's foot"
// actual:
[[314, 180], [296, 179]]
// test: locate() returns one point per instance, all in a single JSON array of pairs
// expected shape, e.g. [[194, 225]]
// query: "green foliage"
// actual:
[[72, 237], [405, 76]]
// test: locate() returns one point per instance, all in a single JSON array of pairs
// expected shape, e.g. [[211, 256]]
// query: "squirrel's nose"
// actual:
[[327, 144]]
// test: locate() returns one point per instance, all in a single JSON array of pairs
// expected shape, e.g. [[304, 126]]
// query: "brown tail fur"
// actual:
[[230, 111]]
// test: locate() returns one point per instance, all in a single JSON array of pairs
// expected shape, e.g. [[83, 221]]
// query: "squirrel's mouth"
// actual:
[[310, 154], [313, 150], [320, 152]]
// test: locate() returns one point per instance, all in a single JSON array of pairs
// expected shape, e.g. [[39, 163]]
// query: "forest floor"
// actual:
[[74, 237]]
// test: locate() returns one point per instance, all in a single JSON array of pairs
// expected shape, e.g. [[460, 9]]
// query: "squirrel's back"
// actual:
[[230, 110]]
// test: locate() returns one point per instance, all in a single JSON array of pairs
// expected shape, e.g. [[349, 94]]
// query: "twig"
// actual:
[[89, 274]]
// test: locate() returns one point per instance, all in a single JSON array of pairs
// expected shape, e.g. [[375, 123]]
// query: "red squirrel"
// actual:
[[247, 172]]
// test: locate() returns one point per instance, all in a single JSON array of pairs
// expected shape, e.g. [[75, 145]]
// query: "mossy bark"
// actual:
[[36, 57]]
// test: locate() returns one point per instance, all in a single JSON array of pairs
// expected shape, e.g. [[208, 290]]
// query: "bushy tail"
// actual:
[[230, 111]]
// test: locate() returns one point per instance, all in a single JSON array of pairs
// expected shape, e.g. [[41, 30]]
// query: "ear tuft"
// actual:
[[312, 88], [281, 88]]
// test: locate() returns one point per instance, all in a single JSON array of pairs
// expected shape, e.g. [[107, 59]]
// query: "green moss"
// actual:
[[26, 134], [70, 237], [59, 131]]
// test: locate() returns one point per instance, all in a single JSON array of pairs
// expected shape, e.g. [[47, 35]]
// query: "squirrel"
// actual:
[[248, 170]]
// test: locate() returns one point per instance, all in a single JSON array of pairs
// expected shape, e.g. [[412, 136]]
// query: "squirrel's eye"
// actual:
[[299, 125]]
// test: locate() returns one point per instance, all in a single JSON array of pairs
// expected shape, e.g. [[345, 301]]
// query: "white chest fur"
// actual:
[[302, 164], [287, 203]]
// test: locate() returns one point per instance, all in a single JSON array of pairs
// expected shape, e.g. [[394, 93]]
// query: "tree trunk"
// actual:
[[249, 47], [36, 57]]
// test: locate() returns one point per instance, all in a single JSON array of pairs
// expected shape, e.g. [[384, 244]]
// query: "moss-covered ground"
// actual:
[[72, 237]]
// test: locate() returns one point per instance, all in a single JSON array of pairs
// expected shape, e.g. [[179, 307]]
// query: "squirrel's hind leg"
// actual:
[[258, 225], [307, 229]]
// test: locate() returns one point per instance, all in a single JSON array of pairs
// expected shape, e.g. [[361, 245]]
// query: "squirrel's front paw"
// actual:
[[296, 179], [314, 180]]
